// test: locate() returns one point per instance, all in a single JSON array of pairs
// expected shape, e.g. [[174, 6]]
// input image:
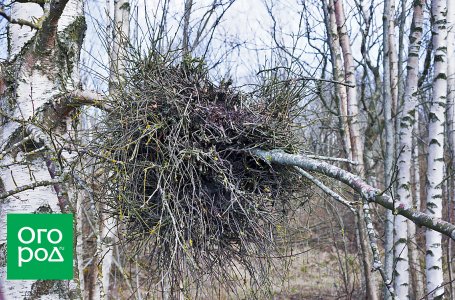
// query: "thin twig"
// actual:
[[352, 162], [302, 78], [14, 146], [30, 186], [326, 189]]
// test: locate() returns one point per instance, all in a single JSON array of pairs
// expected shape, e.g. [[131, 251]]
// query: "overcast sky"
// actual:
[[243, 42]]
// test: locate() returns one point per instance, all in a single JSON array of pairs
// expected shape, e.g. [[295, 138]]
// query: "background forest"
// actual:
[[232, 149]]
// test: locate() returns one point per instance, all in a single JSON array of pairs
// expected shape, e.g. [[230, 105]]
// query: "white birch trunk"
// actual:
[[451, 123], [435, 170], [389, 134], [337, 66], [117, 70], [451, 79], [394, 63], [349, 71], [356, 141], [407, 120], [38, 78], [89, 235], [418, 284]]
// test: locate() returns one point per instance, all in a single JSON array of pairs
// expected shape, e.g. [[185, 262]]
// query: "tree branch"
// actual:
[[370, 193], [20, 22], [377, 265], [55, 170], [326, 189], [14, 146], [30, 186], [346, 160], [303, 78], [80, 97]]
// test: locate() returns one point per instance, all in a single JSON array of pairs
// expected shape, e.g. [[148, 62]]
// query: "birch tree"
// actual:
[[337, 67], [118, 54], [354, 132], [418, 284], [34, 83], [435, 170], [389, 134], [451, 126], [41, 95], [407, 120]]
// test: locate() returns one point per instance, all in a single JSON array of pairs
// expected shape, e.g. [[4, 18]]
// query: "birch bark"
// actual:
[[349, 73], [387, 99], [407, 120], [337, 67], [418, 285], [38, 77], [435, 170], [451, 124], [371, 194], [356, 141], [118, 55]]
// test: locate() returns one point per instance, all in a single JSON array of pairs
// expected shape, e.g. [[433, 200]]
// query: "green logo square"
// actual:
[[39, 246]]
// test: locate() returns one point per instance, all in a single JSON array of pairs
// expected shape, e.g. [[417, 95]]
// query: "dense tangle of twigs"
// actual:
[[182, 181]]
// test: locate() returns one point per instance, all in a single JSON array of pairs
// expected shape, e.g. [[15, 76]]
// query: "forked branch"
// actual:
[[370, 193]]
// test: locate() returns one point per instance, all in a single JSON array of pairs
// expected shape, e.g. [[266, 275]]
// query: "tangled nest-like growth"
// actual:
[[192, 197]]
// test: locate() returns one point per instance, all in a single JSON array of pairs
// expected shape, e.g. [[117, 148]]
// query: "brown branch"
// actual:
[[370, 193], [20, 22]]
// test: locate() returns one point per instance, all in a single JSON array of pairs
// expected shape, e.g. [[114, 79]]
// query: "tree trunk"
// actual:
[[118, 60], [356, 142], [418, 286], [186, 27], [337, 67], [451, 128], [389, 134], [33, 81], [435, 170], [407, 120]]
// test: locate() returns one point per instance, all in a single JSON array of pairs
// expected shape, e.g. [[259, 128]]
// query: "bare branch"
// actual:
[[20, 22], [39, 136], [30, 186], [14, 146], [352, 162], [377, 264], [80, 97], [303, 78], [370, 193], [326, 189]]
